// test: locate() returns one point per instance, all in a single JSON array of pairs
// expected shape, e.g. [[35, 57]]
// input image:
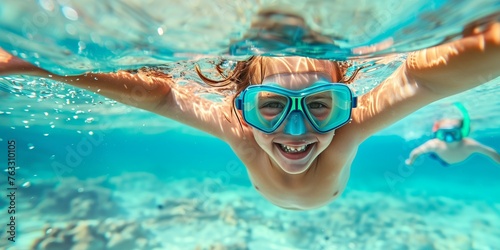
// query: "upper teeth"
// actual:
[[292, 149]]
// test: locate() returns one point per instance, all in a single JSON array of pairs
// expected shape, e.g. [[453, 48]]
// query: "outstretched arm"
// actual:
[[429, 75], [485, 150], [149, 90], [135, 89], [420, 150]]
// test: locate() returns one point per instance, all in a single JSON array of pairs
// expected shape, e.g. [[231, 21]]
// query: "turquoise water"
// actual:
[[94, 170]]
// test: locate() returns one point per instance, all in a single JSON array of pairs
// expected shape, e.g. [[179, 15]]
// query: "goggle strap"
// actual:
[[238, 103], [354, 102]]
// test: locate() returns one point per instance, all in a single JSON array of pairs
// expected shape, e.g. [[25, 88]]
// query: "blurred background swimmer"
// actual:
[[450, 144]]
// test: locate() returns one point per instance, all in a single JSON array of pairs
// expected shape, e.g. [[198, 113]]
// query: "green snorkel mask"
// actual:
[[451, 134], [326, 106]]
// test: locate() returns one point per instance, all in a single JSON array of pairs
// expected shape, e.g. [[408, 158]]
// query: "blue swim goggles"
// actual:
[[325, 105], [449, 134]]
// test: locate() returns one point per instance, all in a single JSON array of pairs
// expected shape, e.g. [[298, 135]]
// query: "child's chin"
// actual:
[[294, 169]]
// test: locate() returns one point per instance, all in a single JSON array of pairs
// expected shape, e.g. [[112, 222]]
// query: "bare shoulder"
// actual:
[[473, 144], [344, 144], [434, 143], [470, 141], [244, 145]]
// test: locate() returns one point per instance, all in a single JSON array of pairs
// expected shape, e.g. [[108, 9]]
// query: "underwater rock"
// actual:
[[77, 199], [220, 246], [37, 191], [89, 235], [54, 244], [136, 181], [228, 215], [185, 210]]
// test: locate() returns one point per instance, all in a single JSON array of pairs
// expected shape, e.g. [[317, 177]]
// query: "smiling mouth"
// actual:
[[293, 149], [295, 152]]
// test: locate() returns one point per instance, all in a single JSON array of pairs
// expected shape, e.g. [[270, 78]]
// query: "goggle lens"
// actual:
[[449, 134], [326, 108]]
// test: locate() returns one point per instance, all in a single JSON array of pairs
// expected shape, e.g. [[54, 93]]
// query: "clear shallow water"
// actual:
[[129, 174], [178, 183], [78, 36]]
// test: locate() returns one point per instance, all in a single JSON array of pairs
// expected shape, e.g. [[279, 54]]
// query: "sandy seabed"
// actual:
[[139, 211]]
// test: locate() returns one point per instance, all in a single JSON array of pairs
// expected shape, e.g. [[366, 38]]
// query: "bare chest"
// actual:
[[453, 155], [321, 184]]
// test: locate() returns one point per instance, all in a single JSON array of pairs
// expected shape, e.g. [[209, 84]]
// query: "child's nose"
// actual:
[[295, 124]]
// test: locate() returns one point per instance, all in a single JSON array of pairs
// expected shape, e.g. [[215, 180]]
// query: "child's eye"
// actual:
[[319, 110], [271, 109], [273, 105], [316, 105]]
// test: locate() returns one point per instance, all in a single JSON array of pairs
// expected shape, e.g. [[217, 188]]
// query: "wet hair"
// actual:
[[243, 72], [241, 75]]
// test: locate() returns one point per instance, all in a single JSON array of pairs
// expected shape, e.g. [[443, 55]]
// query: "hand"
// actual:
[[408, 162]]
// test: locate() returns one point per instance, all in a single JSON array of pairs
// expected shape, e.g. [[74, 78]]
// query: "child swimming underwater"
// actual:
[[298, 126], [450, 144]]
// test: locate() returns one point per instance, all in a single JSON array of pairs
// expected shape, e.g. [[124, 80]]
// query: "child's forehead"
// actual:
[[296, 81], [449, 122], [271, 67], [304, 76]]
